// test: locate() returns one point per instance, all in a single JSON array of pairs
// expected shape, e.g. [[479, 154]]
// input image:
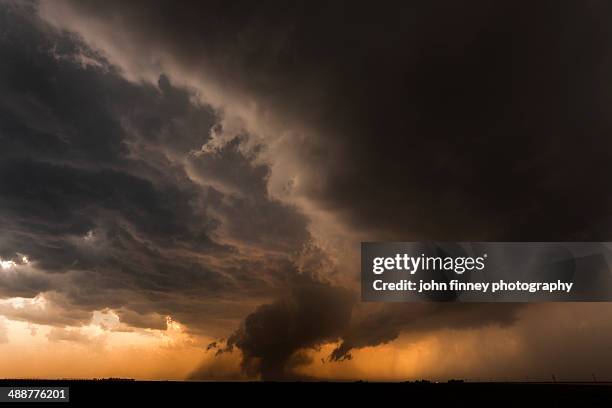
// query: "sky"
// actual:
[[184, 186]]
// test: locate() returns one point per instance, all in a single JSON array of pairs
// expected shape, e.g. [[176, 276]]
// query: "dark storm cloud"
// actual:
[[310, 314], [148, 321], [249, 215], [489, 118], [375, 327], [54, 310], [273, 338], [28, 283], [94, 191], [429, 120]]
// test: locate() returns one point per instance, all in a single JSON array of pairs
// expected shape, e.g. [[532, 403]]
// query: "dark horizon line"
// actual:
[[413, 382]]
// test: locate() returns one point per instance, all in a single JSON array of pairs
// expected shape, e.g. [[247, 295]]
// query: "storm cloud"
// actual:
[[479, 116], [105, 201], [311, 314], [212, 162], [384, 324], [273, 339]]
